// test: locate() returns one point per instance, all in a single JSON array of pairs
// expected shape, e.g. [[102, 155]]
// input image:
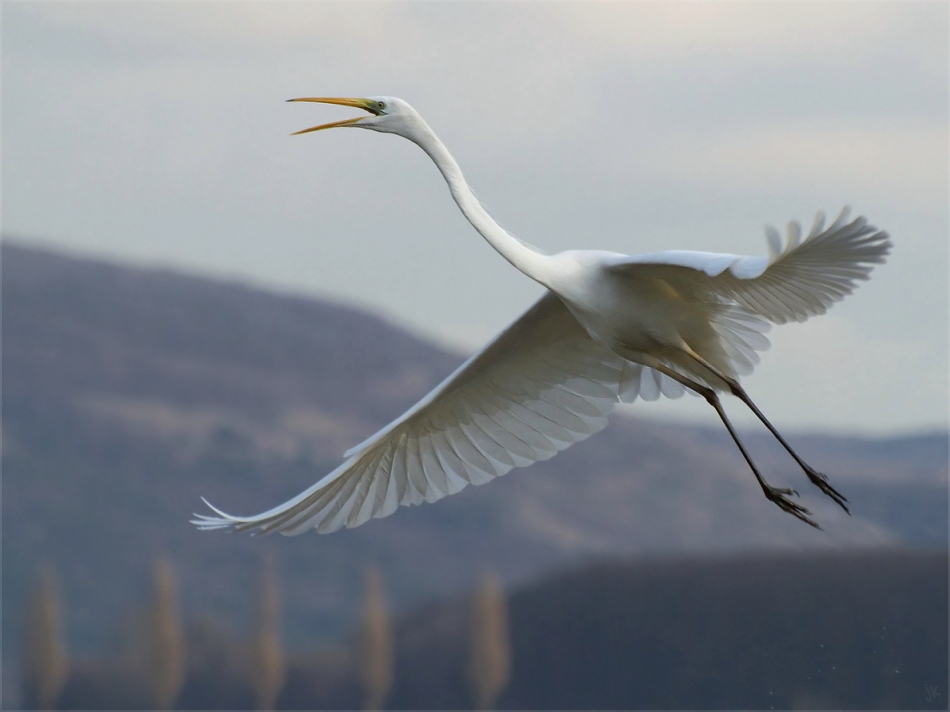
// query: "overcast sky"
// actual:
[[158, 134]]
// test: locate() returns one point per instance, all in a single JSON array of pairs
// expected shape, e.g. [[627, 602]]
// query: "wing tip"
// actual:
[[205, 522], [774, 240]]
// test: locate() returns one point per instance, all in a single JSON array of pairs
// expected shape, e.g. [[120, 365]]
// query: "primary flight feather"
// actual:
[[611, 328]]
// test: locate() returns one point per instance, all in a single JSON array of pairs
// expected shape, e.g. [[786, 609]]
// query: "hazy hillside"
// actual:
[[128, 394]]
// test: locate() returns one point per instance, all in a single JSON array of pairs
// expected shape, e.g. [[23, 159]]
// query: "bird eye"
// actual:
[[380, 104]]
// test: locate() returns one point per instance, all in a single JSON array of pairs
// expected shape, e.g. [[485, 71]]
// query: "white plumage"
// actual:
[[610, 328]]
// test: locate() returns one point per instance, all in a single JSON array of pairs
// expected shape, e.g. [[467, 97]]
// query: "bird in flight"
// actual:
[[610, 328]]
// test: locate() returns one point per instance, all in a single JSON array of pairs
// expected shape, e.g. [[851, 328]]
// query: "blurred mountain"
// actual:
[[130, 393]]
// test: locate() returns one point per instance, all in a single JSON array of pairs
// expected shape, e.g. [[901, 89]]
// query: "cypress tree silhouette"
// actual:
[[489, 665], [166, 647], [375, 644], [268, 671], [45, 662]]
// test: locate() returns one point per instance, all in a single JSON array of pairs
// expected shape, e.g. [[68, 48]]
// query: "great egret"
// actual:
[[609, 328]]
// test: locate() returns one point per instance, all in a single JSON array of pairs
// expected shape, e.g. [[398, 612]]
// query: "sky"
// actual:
[[158, 134]]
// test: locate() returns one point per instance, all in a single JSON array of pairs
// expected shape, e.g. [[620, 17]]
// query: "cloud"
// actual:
[[781, 31], [897, 162], [804, 33], [238, 25], [828, 371]]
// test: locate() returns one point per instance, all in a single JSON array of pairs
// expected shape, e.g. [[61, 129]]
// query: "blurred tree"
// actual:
[[489, 665], [375, 644], [268, 671], [45, 664], [166, 647]]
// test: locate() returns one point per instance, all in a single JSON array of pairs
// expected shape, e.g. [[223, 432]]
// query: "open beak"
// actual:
[[364, 104]]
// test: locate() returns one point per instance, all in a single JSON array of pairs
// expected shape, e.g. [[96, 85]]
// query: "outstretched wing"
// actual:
[[540, 386], [797, 281]]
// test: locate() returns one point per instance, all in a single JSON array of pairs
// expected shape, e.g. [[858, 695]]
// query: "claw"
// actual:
[[777, 496], [821, 482], [784, 490]]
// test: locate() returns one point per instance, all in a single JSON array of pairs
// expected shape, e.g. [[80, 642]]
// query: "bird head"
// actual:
[[387, 114]]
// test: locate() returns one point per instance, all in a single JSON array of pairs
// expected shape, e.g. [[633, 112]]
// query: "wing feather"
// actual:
[[539, 387], [809, 275], [520, 452], [450, 462], [400, 473], [798, 280]]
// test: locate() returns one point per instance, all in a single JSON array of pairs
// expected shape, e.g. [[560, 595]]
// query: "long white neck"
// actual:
[[528, 260]]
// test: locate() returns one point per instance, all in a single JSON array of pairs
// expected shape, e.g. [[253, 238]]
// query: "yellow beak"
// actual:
[[364, 104]]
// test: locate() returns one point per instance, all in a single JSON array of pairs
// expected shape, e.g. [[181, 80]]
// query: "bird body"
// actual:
[[647, 317], [610, 328]]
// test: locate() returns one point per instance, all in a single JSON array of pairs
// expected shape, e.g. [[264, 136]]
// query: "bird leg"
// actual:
[[816, 478], [776, 495], [773, 494]]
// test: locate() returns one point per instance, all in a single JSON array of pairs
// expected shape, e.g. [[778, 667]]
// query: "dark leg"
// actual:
[[817, 478], [775, 495]]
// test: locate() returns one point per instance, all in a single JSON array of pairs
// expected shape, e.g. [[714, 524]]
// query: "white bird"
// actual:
[[609, 328]]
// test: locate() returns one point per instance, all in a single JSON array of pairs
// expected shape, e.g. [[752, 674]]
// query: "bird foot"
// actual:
[[779, 496], [821, 482]]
